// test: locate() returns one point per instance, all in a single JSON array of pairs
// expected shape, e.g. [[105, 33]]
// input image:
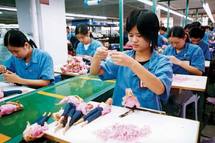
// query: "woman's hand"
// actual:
[[101, 53], [12, 77], [2, 69], [121, 59], [174, 60]]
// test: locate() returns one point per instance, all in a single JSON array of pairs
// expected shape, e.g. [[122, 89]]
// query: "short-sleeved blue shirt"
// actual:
[[205, 47], [191, 53], [158, 65], [205, 38], [161, 41], [91, 49], [39, 67]]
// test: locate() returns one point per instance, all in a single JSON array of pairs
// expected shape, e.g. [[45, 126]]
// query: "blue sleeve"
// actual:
[[207, 55], [47, 72], [10, 64], [165, 73], [198, 59], [78, 49], [96, 44], [160, 43], [166, 50], [110, 70], [206, 52]]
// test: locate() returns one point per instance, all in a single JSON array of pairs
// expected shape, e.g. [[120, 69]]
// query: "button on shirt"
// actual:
[[158, 65], [39, 67], [191, 53]]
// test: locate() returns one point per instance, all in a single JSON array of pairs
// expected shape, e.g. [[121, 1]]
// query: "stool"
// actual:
[[211, 100], [194, 98]]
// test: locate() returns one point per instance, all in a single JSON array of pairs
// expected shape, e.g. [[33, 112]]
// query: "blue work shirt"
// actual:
[[205, 47], [205, 38], [69, 36], [94, 44], [191, 53], [161, 42], [39, 67], [158, 65]]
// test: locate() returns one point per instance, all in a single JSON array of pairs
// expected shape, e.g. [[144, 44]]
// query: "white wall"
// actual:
[[46, 24], [52, 30], [27, 18]]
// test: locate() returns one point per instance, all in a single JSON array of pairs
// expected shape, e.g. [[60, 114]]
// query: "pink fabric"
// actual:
[[75, 65], [71, 99], [129, 100], [211, 100], [34, 131], [123, 132], [84, 107], [7, 109], [180, 79], [106, 108]]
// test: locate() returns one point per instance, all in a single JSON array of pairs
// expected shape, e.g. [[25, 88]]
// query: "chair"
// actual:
[[211, 100], [194, 98]]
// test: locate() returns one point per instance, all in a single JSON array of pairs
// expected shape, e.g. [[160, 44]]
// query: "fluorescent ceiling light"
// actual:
[[92, 2], [85, 16], [146, 2], [9, 25], [164, 9], [208, 11], [8, 8], [70, 18], [67, 14]]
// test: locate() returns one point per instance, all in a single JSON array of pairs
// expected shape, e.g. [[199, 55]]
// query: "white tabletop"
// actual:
[[189, 82], [10, 86], [163, 128]]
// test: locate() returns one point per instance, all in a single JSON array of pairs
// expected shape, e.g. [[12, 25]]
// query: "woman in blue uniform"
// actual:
[[186, 58], [87, 45], [142, 69], [196, 37], [27, 65]]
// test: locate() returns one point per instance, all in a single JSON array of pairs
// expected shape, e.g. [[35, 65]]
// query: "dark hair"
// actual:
[[188, 26], [176, 31], [163, 28], [196, 24], [81, 29], [147, 25], [16, 38], [196, 33]]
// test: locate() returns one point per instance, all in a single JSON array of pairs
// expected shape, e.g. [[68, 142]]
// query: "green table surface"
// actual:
[[35, 104]]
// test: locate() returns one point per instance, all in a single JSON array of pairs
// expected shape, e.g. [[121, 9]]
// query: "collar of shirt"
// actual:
[[34, 56], [152, 61], [182, 54]]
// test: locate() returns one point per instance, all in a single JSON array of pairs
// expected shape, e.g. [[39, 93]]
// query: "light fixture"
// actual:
[[1, 12], [68, 15], [85, 16], [8, 8], [91, 2], [208, 11], [69, 18], [164, 9], [146, 2], [9, 25]]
